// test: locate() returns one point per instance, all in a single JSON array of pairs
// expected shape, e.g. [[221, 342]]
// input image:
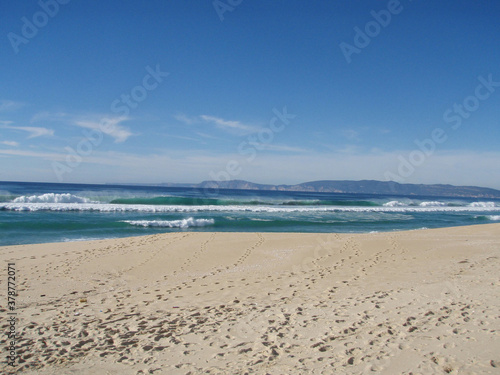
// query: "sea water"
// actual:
[[43, 212]]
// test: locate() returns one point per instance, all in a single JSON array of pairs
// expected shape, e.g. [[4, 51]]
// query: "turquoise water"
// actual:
[[39, 213]]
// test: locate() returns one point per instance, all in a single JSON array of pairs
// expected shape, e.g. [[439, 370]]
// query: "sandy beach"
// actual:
[[417, 302]]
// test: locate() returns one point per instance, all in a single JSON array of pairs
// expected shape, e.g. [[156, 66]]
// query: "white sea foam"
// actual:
[[231, 208], [183, 223], [494, 217], [65, 239], [51, 198], [482, 204], [433, 204], [394, 204]]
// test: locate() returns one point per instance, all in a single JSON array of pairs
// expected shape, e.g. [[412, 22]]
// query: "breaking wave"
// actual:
[[483, 204], [183, 223], [51, 198], [190, 201], [106, 207]]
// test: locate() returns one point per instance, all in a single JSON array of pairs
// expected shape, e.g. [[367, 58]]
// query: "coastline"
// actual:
[[425, 301]]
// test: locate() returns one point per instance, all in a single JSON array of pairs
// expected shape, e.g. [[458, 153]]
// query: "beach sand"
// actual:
[[416, 302]]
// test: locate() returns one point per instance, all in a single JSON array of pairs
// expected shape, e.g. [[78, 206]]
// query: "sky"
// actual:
[[278, 92]]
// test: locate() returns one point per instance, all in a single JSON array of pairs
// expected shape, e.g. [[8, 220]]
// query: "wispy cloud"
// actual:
[[9, 105], [351, 134], [282, 148], [186, 119], [228, 124], [182, 137], [108, 125], [205, 135], [41, 155], [50, 116], [343, 148], [34, 131], [10, 143]]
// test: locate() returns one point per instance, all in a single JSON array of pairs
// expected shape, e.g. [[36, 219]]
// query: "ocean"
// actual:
[[45, 212]]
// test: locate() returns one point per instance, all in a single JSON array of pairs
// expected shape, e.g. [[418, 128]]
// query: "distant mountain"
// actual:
[[359, 187]]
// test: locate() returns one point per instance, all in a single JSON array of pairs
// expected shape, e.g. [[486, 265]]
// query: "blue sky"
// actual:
[[267, 91]]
